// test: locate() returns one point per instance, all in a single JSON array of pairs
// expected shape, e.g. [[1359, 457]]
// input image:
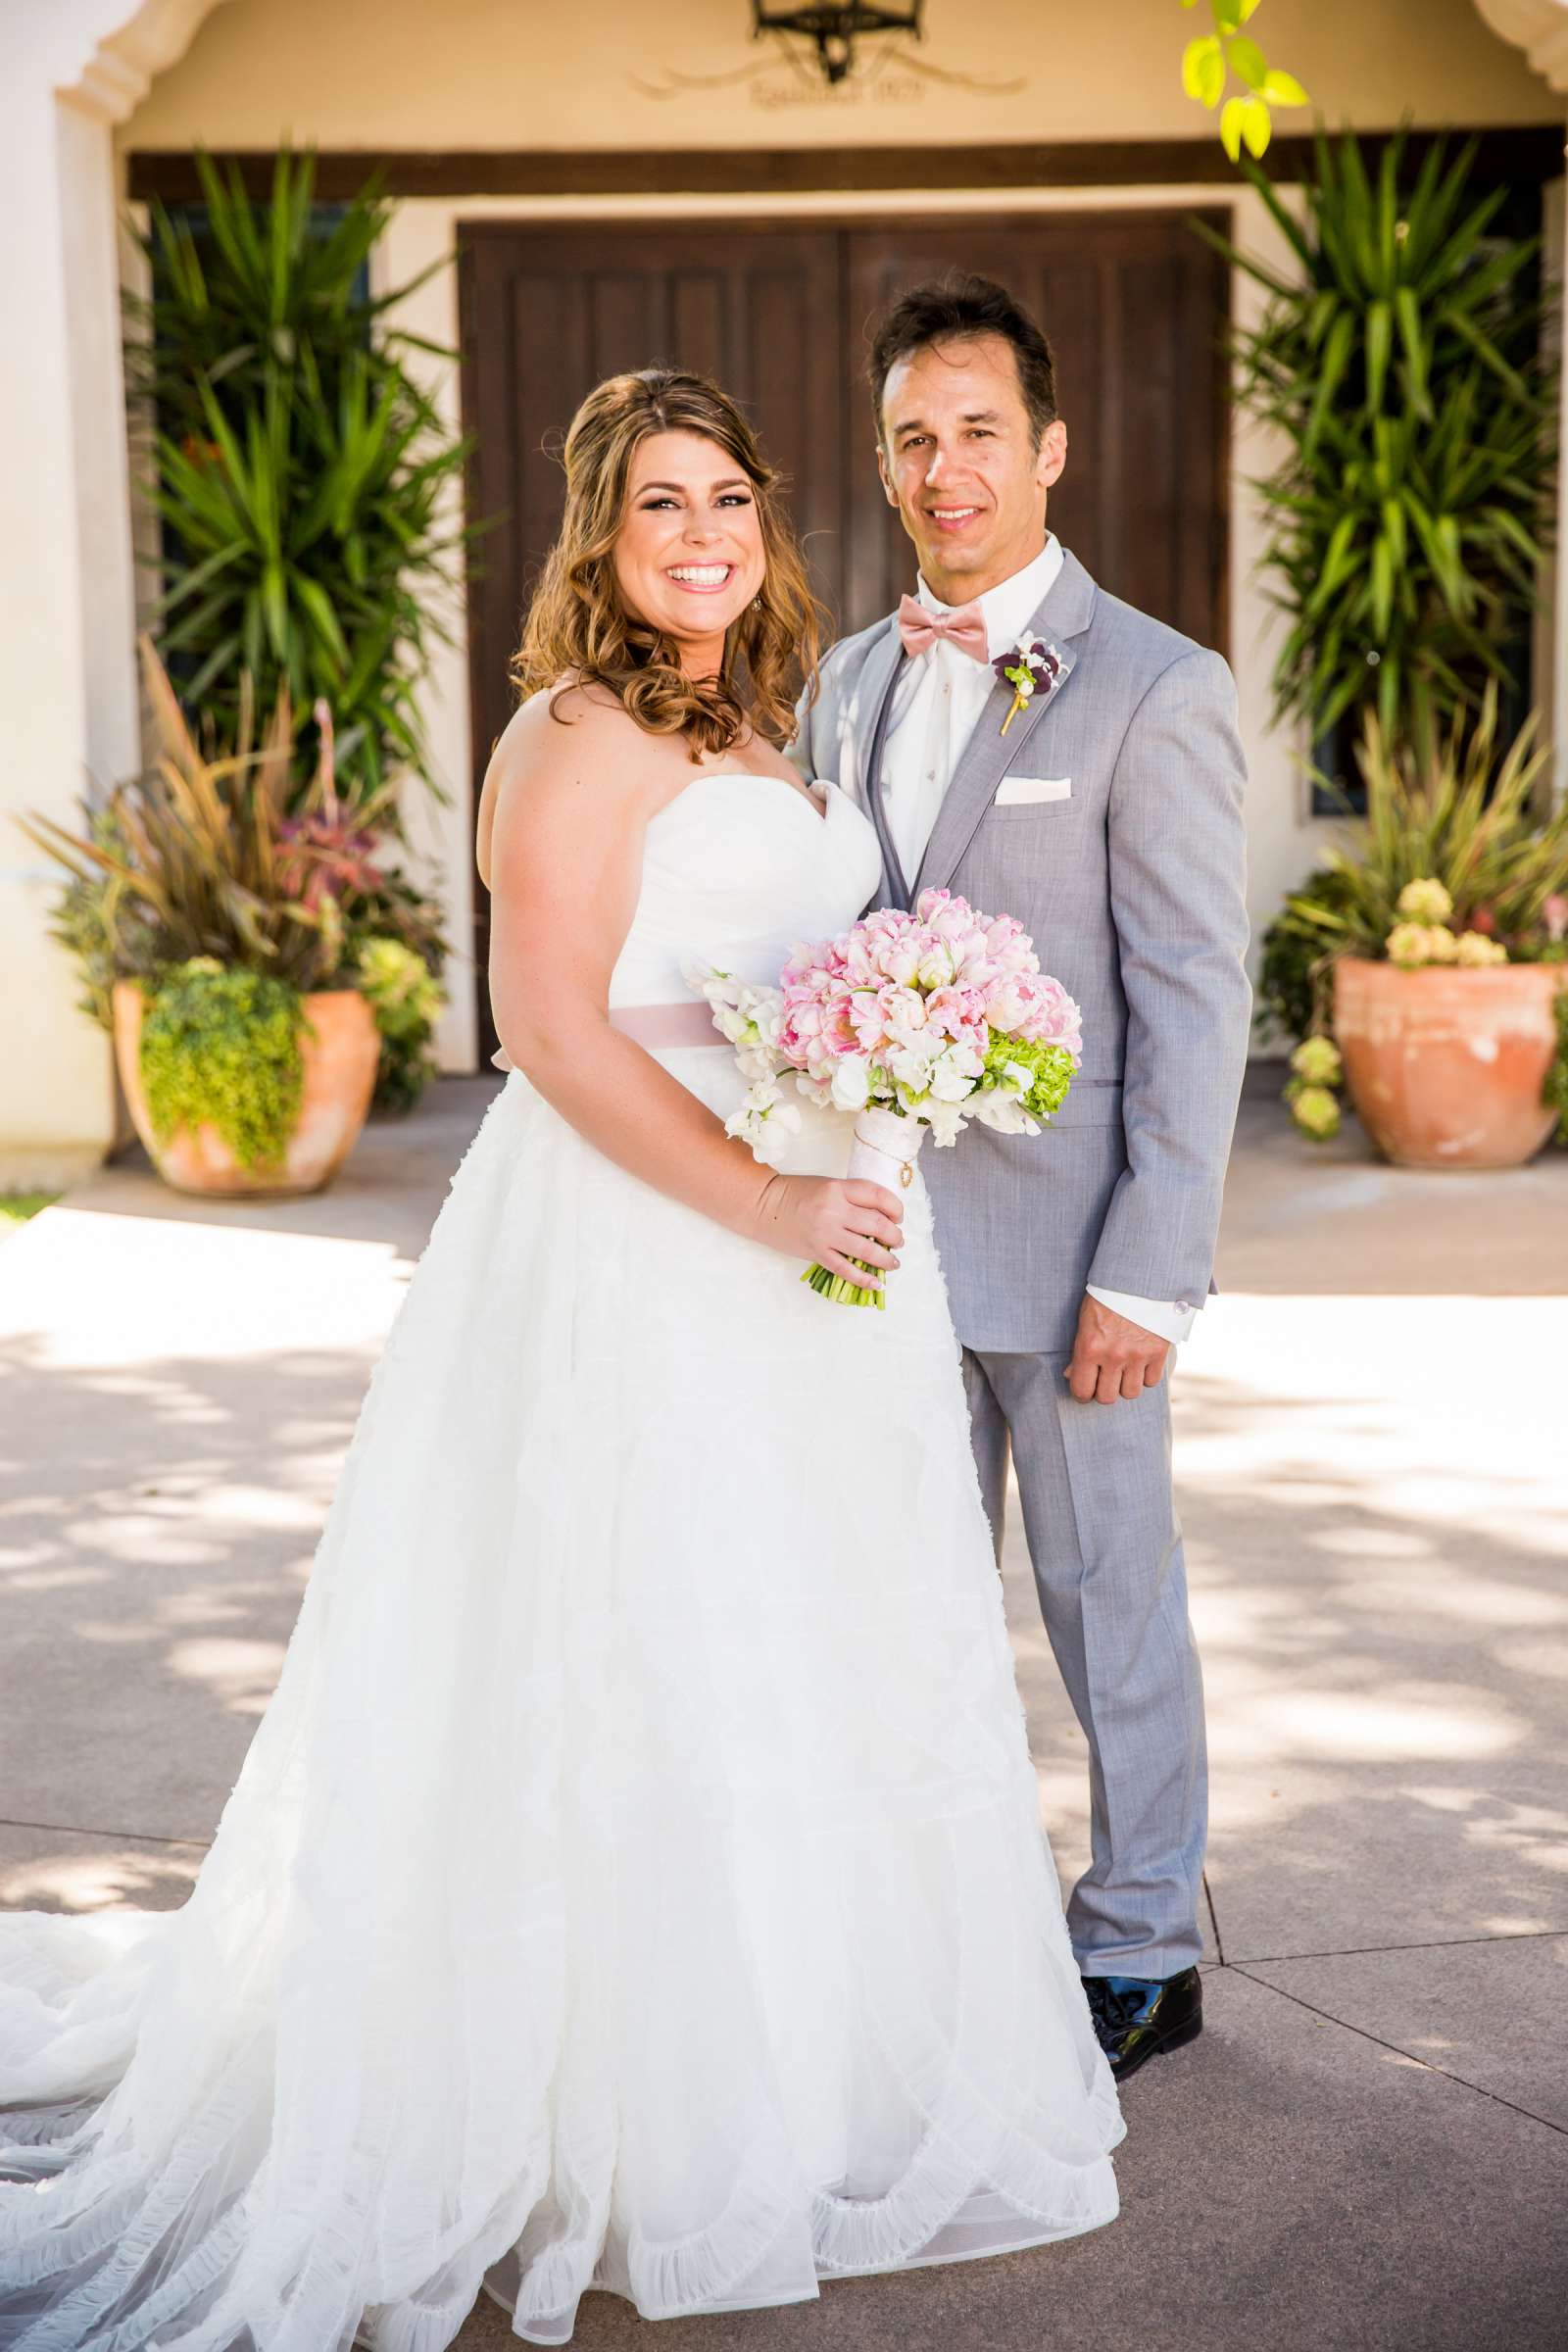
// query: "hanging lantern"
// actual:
[[834, 28]]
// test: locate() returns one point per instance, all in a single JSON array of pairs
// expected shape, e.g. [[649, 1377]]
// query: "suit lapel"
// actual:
[[986, 758], [869, 718], [870, 692]]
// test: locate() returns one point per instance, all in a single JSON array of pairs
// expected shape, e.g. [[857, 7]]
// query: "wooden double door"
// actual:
[[1134, 303]]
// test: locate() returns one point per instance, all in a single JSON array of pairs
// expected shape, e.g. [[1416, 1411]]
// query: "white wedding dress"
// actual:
[[636, 1881]]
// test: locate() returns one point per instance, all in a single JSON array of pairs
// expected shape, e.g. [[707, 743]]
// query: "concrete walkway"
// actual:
[[1369, 2149]]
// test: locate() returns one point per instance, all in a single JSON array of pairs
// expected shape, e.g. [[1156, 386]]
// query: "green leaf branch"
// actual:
[[1209, 63]]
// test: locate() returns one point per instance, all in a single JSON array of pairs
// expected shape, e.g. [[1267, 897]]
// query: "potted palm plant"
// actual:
[[1439, 941], [226, 925], [1404, 365], [308, 490], [306, 482]]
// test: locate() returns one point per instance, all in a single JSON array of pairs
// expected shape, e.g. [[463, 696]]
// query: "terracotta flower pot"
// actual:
[[1445, 1066], [341, 1047]]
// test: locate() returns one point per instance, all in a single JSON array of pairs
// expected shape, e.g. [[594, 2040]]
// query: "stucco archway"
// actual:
[[1540, 27]]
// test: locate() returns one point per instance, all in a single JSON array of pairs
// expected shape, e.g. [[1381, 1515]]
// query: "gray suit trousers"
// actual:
[[1107, 1551]]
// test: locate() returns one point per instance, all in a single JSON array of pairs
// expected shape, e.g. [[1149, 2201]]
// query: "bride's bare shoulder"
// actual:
[[562, 738], [565, 724]]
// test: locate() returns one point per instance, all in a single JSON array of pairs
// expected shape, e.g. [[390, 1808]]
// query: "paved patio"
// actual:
[[1369, 2146]]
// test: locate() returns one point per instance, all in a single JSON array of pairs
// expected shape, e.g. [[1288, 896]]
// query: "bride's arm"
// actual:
[[564, 863]]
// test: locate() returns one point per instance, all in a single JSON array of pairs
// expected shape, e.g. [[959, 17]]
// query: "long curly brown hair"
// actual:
[[578, 631]]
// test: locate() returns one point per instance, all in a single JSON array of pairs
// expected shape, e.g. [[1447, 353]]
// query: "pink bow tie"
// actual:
[[964, 627]]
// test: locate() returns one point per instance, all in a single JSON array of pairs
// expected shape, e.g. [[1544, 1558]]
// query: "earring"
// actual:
[[756, 604]]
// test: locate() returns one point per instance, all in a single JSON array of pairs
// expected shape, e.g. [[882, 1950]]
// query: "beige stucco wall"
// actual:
[[519, 74]]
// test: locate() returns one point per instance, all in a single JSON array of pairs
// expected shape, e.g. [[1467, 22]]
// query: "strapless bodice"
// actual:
[[736, 869]]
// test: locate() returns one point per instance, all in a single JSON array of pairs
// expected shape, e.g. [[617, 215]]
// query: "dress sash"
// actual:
[[657, 1026]]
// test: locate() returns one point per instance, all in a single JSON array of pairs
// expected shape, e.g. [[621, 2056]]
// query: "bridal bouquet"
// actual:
[[914, 1021]]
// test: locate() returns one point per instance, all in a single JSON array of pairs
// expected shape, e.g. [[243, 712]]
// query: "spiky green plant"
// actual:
[[301, 472], [1462, 816], [1405, 370], [193, 859]]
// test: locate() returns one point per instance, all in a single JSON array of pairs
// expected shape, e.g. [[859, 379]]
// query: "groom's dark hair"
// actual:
[[956, 310]]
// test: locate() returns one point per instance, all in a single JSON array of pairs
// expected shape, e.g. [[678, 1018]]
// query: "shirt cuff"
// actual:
[[1167, 1321]]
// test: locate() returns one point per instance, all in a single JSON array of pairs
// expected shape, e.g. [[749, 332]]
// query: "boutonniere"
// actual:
[[1026, 669]]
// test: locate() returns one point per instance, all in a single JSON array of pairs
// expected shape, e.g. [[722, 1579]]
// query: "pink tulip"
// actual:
[[956, 1012], [928, 989], [840, 1032]]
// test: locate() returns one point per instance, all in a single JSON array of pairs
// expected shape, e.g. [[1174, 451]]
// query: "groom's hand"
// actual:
[[1112, 1356]]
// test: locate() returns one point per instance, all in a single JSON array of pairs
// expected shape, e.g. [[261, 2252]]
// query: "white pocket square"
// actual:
[[1015, 792]]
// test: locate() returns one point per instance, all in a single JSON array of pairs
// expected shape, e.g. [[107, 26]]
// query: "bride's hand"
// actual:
[[843, 1224]]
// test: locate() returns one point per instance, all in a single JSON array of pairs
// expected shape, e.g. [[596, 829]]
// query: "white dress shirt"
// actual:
[[941, 708]]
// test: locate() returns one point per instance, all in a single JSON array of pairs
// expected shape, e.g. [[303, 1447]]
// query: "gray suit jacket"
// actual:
[[1132, 886]]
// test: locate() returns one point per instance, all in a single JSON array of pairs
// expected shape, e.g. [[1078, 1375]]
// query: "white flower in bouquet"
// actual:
[[850, 1084]]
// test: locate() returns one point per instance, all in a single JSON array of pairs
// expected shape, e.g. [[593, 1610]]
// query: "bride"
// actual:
[[636, 1880]]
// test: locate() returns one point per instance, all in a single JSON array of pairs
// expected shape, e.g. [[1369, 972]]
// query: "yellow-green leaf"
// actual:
[[1247, 59], [1381, 586], [1282, 90], [1256, 125], [1379, 342], [1199, 57], [1230, 127], [275, 605]]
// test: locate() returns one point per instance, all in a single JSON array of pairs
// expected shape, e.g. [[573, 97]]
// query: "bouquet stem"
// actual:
[[884, 1151]]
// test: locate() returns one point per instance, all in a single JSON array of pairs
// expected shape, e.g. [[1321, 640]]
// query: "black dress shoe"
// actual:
[[1138, 2017]]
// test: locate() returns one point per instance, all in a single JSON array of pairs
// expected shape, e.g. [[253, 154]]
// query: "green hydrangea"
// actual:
[[221, 1046], [1316, 1113], [405, 999], [1412, 946], [1051, 1069], [1316, 1061], [1425, 901]]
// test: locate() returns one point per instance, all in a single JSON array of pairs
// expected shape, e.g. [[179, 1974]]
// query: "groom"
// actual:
[[1107, 818]]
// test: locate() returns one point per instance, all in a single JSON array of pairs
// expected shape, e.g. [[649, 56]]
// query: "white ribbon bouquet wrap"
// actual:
[[916, 1022]]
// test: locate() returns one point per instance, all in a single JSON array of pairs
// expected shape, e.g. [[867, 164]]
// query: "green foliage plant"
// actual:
[[17, 1208], [223, 1048], [1405, 368], [1555, 1092], [1245, 119], [1292, 950], [406, 998], [301, 471], [106, 929]]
